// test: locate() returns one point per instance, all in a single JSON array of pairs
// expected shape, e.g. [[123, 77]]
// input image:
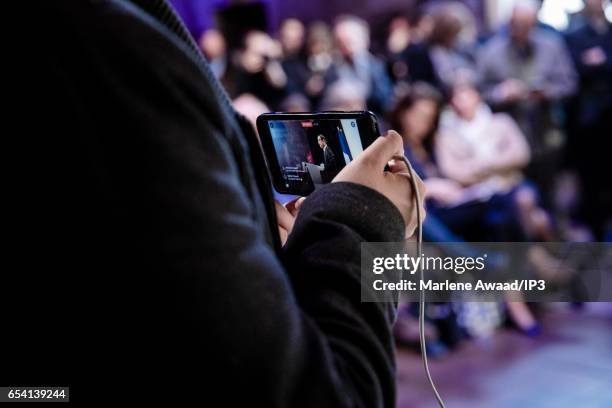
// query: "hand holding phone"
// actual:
[[369, 170]]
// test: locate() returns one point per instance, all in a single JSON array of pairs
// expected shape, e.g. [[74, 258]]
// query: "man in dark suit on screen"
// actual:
[[329, 159], [329, 165]]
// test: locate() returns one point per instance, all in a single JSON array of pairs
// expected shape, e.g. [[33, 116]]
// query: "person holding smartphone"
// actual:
[[158, 273]]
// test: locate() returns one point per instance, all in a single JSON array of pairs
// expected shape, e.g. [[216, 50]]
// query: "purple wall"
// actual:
[[199, 14]]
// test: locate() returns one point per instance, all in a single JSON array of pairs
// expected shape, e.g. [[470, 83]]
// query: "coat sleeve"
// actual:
[[562, 80]]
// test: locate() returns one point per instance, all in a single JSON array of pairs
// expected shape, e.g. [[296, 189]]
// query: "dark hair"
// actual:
[[446, 27], [321, 137], [417, 92]]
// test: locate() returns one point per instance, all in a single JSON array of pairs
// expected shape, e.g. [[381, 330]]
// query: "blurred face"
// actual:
[[292, 35], [594, 6], [319, 39], [399, 35], [465, 102], [356, 103], [423, 28], [446, 29], [523, 21], [322, 143], [212, 44], [351, 37], [418, 121], [261, 43], [258, 47]]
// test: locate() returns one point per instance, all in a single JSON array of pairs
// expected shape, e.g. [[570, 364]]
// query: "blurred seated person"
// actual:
[[356, 63], [258, 70], [526, 72], [417, 115], [407, 58], [477, 148], [481, 154]]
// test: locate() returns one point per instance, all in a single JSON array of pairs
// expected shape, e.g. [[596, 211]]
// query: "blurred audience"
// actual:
[[488, 125]]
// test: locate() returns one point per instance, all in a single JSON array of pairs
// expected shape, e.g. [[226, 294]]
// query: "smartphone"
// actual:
[[306, 150]]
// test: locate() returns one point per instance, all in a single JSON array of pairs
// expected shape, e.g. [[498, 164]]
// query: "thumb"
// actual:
[[383, 149]]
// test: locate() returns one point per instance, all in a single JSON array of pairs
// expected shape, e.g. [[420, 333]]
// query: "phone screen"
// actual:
[[309, 152]]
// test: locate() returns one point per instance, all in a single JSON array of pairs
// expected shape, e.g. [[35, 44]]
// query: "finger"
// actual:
[[398, 166], [293, 206], [421, 204], [284, 234], [383, 149], [298, 205], [283, 216], [420, 185], [290, 205]]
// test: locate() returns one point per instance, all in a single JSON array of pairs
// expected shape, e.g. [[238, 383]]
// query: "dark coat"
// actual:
[[145, 264], [329, 159], [595, 92]]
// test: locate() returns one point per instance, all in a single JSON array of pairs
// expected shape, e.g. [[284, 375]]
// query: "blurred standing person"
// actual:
[[452, 60], [407, 57], [259, 70], [525, 73], [212, 44], [486, 153], [356, 63], [422, 26], [593, 13], [310, 74], [291, 37], [591, 49]]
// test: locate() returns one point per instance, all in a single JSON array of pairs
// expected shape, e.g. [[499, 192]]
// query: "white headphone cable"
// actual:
[[419, 234]]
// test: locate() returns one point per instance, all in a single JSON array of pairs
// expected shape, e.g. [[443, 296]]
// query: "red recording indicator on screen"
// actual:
[[306, 123]]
